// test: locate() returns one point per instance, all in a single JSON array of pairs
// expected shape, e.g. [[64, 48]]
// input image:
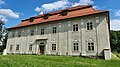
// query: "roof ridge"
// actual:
[[58, 11]]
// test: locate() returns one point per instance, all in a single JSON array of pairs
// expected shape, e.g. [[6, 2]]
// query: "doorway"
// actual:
[[42, 48]]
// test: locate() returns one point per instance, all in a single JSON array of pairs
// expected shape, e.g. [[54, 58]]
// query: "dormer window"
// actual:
[[64, 12], [31, 19], [46, 16]]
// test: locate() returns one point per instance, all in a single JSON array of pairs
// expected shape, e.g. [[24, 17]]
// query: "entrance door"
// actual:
[[42, 49]]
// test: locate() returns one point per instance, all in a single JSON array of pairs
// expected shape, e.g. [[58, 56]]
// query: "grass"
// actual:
[[54, 61]]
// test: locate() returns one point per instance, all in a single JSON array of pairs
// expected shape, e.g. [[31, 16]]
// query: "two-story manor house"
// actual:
[[79, 31]]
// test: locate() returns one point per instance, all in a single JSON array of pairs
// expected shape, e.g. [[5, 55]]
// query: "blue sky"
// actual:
[[13, 11]]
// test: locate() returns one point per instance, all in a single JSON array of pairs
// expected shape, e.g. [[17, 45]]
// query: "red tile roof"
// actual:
[[53, 16]]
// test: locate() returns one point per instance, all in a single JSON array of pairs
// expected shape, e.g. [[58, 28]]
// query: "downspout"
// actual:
[[96, 37], [108, 18], [67, 36]]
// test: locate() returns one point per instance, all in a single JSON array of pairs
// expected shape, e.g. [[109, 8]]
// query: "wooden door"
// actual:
[[42, 49]]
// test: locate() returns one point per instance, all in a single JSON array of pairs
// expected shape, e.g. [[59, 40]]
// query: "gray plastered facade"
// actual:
[[64, 37]]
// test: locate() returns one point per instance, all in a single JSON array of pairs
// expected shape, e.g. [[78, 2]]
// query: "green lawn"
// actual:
[[54, 61]]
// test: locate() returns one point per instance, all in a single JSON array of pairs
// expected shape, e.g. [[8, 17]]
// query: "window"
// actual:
[[13, 34], [91, 46], [75, 27], [64, 12], [46, 16], [75, 47], [17, 47], [11, 47], [19, 34], [53, 47], [30, 47], [42, 43], [89, 26], [54, 30], [31, 19], [42, 31], [32, 32]]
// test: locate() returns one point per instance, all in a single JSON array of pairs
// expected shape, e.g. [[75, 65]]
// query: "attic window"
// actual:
[[31, 19], [46, 16], [64, 12], [23, 20]]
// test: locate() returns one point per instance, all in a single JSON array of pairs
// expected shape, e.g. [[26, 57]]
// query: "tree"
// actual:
[[115, 40], [3, 36]]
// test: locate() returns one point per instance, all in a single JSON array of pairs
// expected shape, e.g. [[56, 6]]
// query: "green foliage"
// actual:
[[53, 61], [115, 40], [3, 36]]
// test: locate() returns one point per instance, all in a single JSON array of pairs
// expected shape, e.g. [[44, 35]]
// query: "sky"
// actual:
[[13, 11]]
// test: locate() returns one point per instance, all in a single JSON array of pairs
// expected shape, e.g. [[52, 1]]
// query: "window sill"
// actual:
[[75, 51], [75, 31], [30, 50], [53, 51], [89, 30], [90, 51], [17, 50]]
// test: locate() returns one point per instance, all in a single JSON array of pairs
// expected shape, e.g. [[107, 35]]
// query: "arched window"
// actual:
[[75, 27], [11, 46], [90, 46], [90, 26], [13, 34], [42, 31], [17, 47], [30, 47], [54, 30], [75, 47], [19, 33], [53, 47], [32, 32]]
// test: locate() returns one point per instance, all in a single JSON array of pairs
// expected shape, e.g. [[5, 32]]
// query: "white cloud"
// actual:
[[75, 4], [115, 24], [117, 13], [61, 4], [85, 2], [96, 7], [37, 9], [2, 2], [55, 5], [9, 13]]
